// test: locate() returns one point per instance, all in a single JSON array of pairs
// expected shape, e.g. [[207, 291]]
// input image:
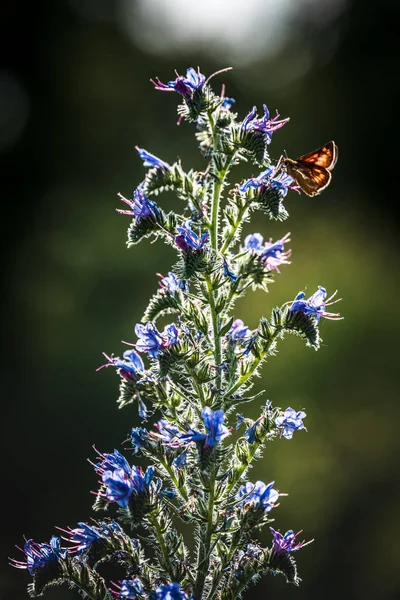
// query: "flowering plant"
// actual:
[[197, 371]]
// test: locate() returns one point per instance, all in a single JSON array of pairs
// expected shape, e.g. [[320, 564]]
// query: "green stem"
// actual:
[[256, 362], [242, 211], [164, 551], [174, 479], [197, 385], [216, 327], [205, 547]]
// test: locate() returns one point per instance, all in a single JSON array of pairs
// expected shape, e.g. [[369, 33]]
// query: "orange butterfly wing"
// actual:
[[323, 157], [311, 178]]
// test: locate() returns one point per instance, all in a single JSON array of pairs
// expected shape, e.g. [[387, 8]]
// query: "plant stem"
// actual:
[[205, 545], [164, 551]]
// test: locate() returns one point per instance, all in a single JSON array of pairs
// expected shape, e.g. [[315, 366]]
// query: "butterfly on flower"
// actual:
[[312, 172]]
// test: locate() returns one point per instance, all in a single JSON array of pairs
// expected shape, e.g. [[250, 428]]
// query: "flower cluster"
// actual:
[[189, 376]]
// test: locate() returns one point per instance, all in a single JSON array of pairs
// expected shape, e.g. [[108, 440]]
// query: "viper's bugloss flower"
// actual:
[[185, 86], [240, 419], [238, 331], [187, 239], [39, 556], [273, 254], [130, 367], [150, 339], [265, 124], [149, 160], [181, 460], [171, 284], [228, 272], [167, 432], [250, 433], [170, 335], [83, 536], [227, 103], [129, 588], [110, 461], [119, 486], [141, 206], [267, 180], [286, 543], [139, 436], [315, 305], [216, 430], [170, 591], [290, 422], [259, 495]]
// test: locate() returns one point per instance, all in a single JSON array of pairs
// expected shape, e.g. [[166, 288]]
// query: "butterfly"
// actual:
[[312, 172]]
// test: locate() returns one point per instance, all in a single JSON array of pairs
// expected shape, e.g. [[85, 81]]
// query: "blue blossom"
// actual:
[[150, 339], [286, 543], [265, 124], [167, 432], [130, 367], [216, 430], [250, 433], [112, 461], [238, 331], [315, 305], [227, 103], [130, 588], [185, 86], [228, 272], [85, 535], [187, 239], [170, 591], [260, 495], [181, 460], [142, 408], [40, 555], [149, 160], [290, 422], [253, 241], [170, 335], [267, 180], [119, 486], [273, 254], [240, 419], [141, 207], [139, 436], [171, 284]]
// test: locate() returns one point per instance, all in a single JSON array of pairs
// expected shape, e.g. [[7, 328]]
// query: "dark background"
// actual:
[[76, 99]]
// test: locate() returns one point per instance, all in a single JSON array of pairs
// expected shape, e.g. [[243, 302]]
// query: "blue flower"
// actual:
[[171, 284], [141, 206], [273, 254], [167, 432], [149, 160], [240, 419], [250, 433], [265, 124], [181, 460], [131, 367], [187, 239], [39, 556], [139, 436], [130, 588], [170, 591], [185, 86], [260, 495], [119, 486], [290, 422], [238, 331], [227, 103], [150, 339], [228, 272], [315, 305], [285, 543], [85, 535], [216, 430], [112, 461], [142, 408], [266, 180], [170, 335], [253, 241]]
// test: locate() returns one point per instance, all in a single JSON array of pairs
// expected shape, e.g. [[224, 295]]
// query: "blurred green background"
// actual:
[[75, 100]]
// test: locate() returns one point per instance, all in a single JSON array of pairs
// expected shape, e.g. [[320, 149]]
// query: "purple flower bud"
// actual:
[[149, 160], [185, 86]]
